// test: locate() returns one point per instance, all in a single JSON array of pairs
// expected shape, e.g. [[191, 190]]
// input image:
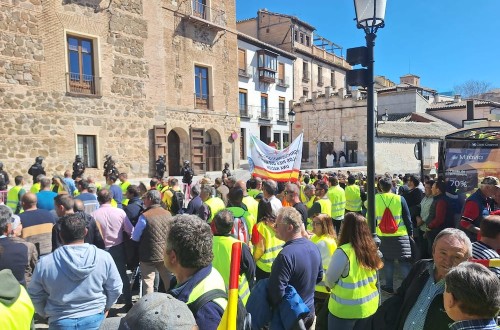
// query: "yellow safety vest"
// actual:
[[253, 192], [13, 198], [19, 314], [310, 202], [355, 296], [352, 198], [381, 200], [337, 197], [35, 188], [213, 281], [326, 206], [272, 249], [215, 204], [252, 206], [303, 197], [124, 186], [221, 248], [326, 246]]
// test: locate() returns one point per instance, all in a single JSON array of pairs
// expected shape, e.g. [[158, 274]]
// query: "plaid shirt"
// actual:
[[486, 324]]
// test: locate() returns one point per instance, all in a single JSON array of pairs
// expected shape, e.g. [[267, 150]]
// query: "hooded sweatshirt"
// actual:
[[75, 281]]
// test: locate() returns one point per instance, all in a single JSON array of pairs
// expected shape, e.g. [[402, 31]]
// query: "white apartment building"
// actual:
[[265, 82]]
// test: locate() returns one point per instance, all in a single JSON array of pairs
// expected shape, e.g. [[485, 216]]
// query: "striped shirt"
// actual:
[[483, 251]]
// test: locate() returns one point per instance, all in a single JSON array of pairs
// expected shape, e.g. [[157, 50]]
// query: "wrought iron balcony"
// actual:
[[284, 82], [208, 16], [83, 84], [245, 72]]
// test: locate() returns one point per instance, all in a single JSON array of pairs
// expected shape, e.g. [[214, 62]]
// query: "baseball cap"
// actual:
[[154, 311], [491, 180]]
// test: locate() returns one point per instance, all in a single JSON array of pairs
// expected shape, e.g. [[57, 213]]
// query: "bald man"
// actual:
[[33, 216]]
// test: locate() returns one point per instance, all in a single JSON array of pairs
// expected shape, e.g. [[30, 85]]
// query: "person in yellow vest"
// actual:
[[250, 202], [168, 194], [393, 245], [222, 246], [188, 255], [266, 245], [124, 184], [310, 193], [326, 240], [14, 195], [35, 188], [211, 204], [254, 187], [353, 202], [91, 181], [322, 204], [16, 307], [352, 275], [336, 195]]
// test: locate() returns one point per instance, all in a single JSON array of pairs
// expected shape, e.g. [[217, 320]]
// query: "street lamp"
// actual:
[[370, 16], [291, 119]]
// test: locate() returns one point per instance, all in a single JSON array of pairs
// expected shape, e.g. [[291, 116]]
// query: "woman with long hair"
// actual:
[[352, 274], [326, 240], [266, 244]]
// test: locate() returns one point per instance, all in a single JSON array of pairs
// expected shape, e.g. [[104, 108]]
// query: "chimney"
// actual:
[[356, 94], [470, 109], [342, 93], [315, 95], [437, 98], [457, 98], [328, 91]]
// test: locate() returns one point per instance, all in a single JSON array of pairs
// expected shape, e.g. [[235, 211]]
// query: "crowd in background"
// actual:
[[76, 247]]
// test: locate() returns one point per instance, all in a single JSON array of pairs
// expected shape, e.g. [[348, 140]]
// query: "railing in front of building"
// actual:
[[305, 77], [284, 82], [245, 72], [77, 83], [264, 113], [244, 110], [209, 14]]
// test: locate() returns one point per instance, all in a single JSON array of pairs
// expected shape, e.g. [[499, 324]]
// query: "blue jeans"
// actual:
[[336, 323], [92, 322], [118, 254], [388, 271]]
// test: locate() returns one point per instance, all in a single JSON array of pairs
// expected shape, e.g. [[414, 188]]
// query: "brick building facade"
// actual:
[[129, 78]]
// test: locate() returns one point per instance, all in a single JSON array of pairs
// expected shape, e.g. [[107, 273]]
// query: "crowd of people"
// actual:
[[71, 248]]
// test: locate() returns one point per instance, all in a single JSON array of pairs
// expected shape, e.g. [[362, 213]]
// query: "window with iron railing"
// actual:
[[87, 149], [281, 109], [201, 87], [200, 8], [264, 109], [243, 103], [81, 78]]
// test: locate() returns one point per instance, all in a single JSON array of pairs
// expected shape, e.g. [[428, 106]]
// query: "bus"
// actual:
[[468, 155]]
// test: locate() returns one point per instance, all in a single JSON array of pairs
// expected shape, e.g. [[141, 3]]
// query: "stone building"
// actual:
[[317, 65], [129, 78]]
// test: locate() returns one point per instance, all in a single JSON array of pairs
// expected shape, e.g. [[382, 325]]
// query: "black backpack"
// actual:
[[177, 202], [243, 318]]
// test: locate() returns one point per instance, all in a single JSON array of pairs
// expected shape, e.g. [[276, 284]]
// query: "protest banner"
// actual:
[[270, 163]]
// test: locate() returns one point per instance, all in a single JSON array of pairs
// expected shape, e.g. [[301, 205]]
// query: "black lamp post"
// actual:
[[370, 16], [291, 119]]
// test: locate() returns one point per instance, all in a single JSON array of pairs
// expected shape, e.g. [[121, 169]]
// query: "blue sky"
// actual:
[[445, 42]]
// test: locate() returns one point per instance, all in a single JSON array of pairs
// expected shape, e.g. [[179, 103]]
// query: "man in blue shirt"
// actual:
[[115, 190], [45, 198], [291, 267]]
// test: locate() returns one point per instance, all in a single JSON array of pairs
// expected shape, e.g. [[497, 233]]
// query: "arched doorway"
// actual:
[[213, 150], [174, 153]]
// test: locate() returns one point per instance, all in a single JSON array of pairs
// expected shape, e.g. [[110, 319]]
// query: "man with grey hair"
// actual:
[[472, 297], [16, 254], [269, 191], [151, 232], [211, 203], [418, 303], [290, 266]]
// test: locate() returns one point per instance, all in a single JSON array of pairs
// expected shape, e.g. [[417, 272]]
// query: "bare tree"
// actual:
[[472, 88]]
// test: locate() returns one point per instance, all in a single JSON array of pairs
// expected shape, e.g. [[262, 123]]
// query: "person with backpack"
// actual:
[[173, 198], [187, 177], [243, 220], [394, 229], [223, 241]]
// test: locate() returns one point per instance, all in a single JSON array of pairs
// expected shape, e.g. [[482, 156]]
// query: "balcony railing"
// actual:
[[77, 83], [245, 72], [305, 77], [320, 82], [244, 111], [209, 14], [284, 82], [264, 114]]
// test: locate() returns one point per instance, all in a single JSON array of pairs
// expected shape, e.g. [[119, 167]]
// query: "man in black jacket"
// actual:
[[418, 303]]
